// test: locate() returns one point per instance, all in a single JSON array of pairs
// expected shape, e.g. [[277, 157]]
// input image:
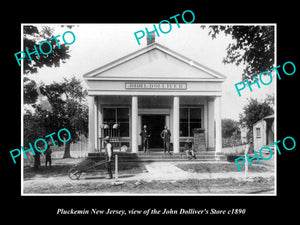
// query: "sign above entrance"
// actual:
[[156, 86]]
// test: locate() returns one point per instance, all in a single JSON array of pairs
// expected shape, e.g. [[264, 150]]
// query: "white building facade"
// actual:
[[155, 86]]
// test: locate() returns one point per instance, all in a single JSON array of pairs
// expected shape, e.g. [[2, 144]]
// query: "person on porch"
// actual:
[[145, 134], [189, 149], [166, 136]]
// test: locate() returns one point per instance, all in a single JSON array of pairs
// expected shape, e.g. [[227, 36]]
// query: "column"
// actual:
[[211, 124], [167, 123], [92, 135], [139, 138], [204, 112], [96, 122], [218, 124], [134, 124], [176, 124], [100, 123]]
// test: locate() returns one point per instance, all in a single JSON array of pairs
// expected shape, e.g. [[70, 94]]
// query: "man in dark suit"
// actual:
[[145, 134], [166, 136]]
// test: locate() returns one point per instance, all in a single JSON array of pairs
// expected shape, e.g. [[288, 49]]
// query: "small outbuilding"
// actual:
[[263, 132]]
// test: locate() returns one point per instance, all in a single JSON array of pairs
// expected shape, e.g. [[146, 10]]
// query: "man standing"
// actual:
[[48, 153], [166, 136], [108, 156], [145, 134]]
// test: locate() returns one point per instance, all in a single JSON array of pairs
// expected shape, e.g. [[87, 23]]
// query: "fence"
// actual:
[[77, 150]]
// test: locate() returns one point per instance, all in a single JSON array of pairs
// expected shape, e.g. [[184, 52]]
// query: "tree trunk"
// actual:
[[67, 150], [37, 161]]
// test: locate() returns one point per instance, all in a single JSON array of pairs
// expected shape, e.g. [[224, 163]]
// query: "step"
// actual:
[[157, 156], [201, 156], [122, 156]]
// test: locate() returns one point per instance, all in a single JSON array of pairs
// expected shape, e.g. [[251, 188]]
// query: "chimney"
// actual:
[[152, 35]]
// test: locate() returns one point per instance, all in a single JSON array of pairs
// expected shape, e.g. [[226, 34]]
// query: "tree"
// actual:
[[231, 135], [33, 124], [229, 127], [253, 46], [30, 91], [32, 36], [255, 111], [69, 109]]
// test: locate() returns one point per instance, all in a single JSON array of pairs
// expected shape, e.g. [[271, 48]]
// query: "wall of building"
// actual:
[[259, 140], [162, 105]]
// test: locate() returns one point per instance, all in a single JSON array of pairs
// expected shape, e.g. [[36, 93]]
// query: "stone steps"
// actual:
[[157, 156], [122, 156], [201, 156]]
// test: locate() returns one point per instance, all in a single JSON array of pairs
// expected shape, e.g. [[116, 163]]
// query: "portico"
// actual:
[[155, 86]]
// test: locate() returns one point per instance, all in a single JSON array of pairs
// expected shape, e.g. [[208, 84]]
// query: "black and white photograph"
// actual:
[[183, 113], [144, 112]]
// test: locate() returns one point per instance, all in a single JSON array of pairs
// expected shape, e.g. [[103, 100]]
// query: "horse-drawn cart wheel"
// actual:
[[74, 173]]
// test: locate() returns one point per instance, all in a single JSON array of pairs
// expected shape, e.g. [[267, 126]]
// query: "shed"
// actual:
[[263, 132]]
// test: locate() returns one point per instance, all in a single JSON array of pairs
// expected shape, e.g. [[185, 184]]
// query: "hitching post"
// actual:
[[116, 167], [246, 164]]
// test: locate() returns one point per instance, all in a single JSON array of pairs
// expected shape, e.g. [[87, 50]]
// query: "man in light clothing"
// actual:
[[108, 156], [166, 136]]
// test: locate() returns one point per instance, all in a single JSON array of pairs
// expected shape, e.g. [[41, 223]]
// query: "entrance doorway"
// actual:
[[155, 123]]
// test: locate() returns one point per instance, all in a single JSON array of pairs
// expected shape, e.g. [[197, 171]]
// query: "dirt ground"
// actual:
[[156, 178]]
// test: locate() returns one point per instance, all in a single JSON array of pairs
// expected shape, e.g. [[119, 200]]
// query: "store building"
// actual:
[[155, 86]]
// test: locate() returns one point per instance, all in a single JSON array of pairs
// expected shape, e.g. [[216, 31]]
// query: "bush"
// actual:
[[231, 141], [232, 156]]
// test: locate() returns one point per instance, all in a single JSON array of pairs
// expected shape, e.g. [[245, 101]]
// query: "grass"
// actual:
[[57, 181], [218, 168], [60, 168]]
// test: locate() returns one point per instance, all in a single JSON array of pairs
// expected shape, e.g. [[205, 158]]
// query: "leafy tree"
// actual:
[[231, 135], [33, 124], [255, 111], [32, 36], [33, 127], [270, 100], [30, 91], [69, 109], [253, 46], [229, 127]]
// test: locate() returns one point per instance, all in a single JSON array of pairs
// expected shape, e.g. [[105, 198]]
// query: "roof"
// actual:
[[267, 118], [179, 62]]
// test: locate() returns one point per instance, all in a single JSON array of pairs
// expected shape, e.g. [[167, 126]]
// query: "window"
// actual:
[[190, 118], [258, 134], [120, 116]]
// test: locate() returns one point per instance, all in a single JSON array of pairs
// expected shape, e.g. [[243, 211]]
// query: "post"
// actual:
[[211, 124], [176, 124], [116, 167], [218, 124], [246, 164], [92, 135], [99, 124], [134, 123]]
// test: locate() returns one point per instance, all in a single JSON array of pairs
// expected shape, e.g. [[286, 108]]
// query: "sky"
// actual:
[[99, 44]]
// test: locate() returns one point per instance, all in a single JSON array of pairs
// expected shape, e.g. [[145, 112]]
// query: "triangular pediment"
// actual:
[[154, 61]]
